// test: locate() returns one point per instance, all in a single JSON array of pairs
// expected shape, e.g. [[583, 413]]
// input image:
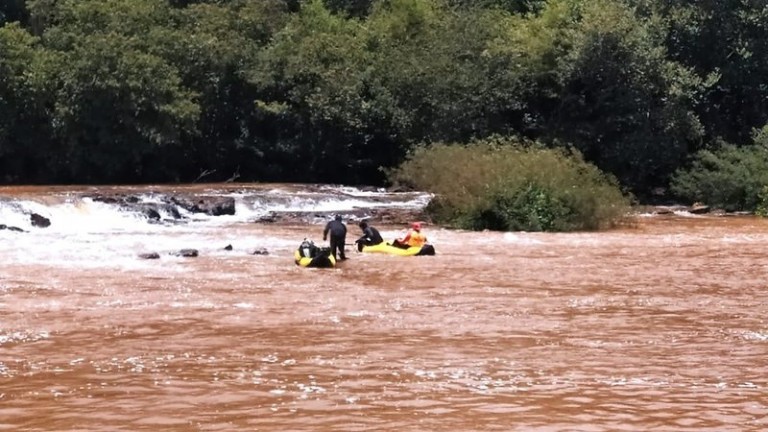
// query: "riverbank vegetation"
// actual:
[[505, 185], [113, 91], [730, 177]]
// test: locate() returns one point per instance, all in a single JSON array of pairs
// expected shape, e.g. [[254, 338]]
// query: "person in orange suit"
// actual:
[[414, 237]]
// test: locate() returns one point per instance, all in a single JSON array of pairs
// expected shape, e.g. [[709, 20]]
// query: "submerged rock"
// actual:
[[149, 255], [10, 228], [187, 253]]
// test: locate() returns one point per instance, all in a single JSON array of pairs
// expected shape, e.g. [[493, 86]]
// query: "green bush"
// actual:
[[762, 202], [731, 178], [502, 184]]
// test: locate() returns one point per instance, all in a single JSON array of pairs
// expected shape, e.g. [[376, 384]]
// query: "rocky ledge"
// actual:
[[170, 204], [376, 216]]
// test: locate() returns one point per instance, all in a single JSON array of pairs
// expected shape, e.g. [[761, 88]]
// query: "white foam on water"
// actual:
[[521, 238], [91, 234], [756, 336]]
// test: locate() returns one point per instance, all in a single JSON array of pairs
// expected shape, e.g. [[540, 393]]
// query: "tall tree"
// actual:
[[213, 49], [726, 43], [117, 103], [603, 84], [25, 136]]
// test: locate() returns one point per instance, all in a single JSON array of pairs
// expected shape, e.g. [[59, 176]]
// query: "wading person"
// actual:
[[338, 232]]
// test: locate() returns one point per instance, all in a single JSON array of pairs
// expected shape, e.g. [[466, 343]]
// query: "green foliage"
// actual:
[[331, 90], [762, 202], [315, 91], [118, 102], [449, 85], [25, 134], [725, 42], [137, 79], [732, 178], [602, 83], [213, 48], [116, 106], [501, 184]]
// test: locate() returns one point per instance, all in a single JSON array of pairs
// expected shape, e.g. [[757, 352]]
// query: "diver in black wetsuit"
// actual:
[[338, 232], [370, 237]]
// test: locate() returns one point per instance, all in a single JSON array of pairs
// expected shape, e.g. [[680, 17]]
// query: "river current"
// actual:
[[658, 326]]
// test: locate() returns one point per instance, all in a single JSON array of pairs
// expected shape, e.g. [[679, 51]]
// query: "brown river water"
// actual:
[[660, 326]]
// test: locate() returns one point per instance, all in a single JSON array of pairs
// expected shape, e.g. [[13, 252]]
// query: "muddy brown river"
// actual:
[[660, 326]]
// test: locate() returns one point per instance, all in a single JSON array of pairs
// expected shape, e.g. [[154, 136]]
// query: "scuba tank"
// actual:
[[307, 248]]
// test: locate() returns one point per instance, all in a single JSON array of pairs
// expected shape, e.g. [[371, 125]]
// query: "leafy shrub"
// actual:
[[762, 202], [731, 178], [502, 184]]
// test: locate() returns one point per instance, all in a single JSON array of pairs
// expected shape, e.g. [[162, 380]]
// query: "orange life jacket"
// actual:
[[416, 238]]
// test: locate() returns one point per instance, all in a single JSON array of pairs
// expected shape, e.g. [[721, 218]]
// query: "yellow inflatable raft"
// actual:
[[322, 260], [309, 255], [394, 250]]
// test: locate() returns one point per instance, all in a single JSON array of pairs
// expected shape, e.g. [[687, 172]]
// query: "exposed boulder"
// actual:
[[187, 253], [270, 218], [115, 198], [699, 208], [211, 205], [149, 255], [153, 211], [150, 211], [39, 221]]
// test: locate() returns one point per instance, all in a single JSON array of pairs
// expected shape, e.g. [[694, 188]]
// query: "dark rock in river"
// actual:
[[149, 255], [260, 251], [152, 211], [132, 203], [270, 218], [115, 198], [39, 221], [211, 205], [10, 228], [187, 253], [228, 247]]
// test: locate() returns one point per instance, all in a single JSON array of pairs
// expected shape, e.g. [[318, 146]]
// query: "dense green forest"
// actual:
[[118, 91]]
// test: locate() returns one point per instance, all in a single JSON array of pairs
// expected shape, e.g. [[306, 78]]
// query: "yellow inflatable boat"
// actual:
[[309, 255], [387, 248]]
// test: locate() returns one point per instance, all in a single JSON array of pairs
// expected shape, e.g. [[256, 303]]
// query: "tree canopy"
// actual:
[[109, 91]]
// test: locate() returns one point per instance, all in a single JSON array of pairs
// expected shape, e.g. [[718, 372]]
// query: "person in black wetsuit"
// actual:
[[338, 232], [370, 237]]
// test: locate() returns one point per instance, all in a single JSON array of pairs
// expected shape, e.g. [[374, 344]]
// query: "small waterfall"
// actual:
[[106, 226]]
